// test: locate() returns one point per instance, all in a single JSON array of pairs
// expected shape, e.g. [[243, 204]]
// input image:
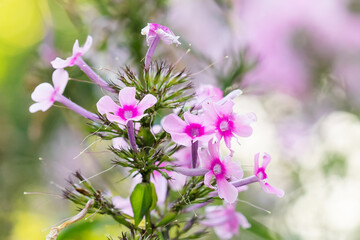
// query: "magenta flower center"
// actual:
[[74, 58], [194, 130], [225, 125], [127, 112], [261, 173], [217, 169]]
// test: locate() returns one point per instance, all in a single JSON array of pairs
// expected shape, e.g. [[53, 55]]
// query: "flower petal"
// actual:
[[115, 118], [207, 179], [242, 220], [205, 159], [266, 158], [160, 187], [214, 149], [225, 109], [167, 38], [181, 138], [60, 63], [256, 163], [40, 106], [226, 190], [191, 118], [120, 143], [106, 105], [147, 102], [173, 123], [60, 78], [127, 97], [242, 123], [43, 92], [232, 168], [87, 44], [271, 189]]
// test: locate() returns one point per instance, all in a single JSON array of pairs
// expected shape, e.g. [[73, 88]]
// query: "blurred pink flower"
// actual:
[[259, 172], [227, 124], [120, 143], [77, 53], [154, 32], [188, 131], [130, 108], [225, 220], [45, 94], [123, 204], [221, 170]]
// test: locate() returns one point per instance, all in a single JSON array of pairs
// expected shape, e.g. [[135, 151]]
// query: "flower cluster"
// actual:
[[181, 154]]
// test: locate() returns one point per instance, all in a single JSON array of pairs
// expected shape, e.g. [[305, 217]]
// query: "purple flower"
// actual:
[[154, 32], [188, 131], [129, 109], [228, 124], [225, 220], [260, 173], [45, 94], [74, 59], [222, 170]]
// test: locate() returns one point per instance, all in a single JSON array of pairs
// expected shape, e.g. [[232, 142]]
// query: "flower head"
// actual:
[[222, 170], [154, 32], [45, 94], [191, 130], [77, 53], [225, 220], [129, 109], [227, 124], [260, 173]]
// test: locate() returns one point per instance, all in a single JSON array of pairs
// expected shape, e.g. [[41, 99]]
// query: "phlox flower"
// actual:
[[75, 59], [206, 92], [120, 143], [186, 132], [154, 32], [45, 94], [123, 204], [225, 220], [260, 173], [222, 170], [227, 124], [129, 109]]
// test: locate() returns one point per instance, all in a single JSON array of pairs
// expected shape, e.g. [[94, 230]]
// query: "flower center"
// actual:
[[194, 132], [261, 173], [128, 114], [217, 169], [224, 126]]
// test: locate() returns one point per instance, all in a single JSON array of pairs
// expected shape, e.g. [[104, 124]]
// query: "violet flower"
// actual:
[[130, 108], [76, 59], [45, 95], [188, 131], [154, 32], [260, 173], [225, 220], [222, 170], [228, 124]]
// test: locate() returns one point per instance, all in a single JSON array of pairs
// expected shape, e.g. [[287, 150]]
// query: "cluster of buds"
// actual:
[[166, 155]]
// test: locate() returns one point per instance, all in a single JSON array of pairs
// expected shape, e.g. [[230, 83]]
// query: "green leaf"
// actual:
[[167, 218], [154, 196], [141, 201]]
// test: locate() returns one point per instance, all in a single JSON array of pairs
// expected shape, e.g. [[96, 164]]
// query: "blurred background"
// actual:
[[297, 61]]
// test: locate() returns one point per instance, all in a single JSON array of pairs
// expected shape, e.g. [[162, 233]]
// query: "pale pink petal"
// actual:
[[207, 179], [242, 220], [177, 181], [242, 126], [120, 143], [214, 149], [60, 78], [123, 204], [43, 92], [147, 102], [226, 190], [191, 118], [60, 63], [160, 187], [115, 118], [227, 140], [266, 158], [106, 105], [40, 106], [205, 138], [156, 129], [127, 97], [242, 188], [167, 38], [232, 168], [173, 123], [205, 159], [211, 116], [223, 232], [181, 138], [225, 109], [76, 47], [137, 118], [87, 44], [271, 189], [256, 163]]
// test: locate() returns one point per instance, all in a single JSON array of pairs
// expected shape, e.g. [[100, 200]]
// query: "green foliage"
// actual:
[[143, 199]]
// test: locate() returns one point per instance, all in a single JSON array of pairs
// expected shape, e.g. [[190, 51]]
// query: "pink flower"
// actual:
[[227, 124], [188, 131], [129, 109], [45, 94], [221, 170], [120, 143], [77, 53], [123, 204], [204, 93], [154, 32], [225, 220], [260, 173]]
